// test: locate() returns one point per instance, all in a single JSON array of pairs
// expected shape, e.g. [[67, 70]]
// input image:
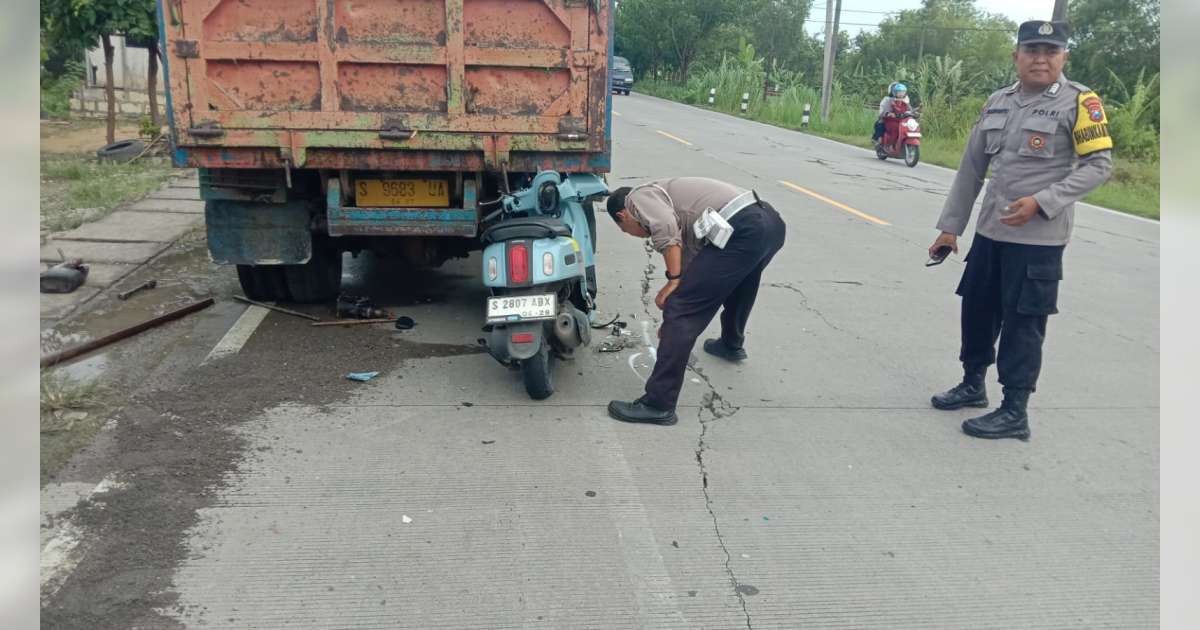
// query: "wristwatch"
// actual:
[[675, 277]]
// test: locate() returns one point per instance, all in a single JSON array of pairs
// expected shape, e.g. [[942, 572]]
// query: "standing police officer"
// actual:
[[1046, 140]]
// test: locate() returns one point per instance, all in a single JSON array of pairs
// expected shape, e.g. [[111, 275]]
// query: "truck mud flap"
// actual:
[[247, 233]]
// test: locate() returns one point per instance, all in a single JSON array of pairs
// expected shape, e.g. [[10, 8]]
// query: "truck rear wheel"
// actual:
[[317, 280], [265, 283]]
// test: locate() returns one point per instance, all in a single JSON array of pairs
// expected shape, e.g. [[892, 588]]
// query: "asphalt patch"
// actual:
[[175, 446]]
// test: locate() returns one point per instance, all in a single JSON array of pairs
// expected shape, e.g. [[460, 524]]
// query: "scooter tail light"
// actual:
[[522, 338], [548, 264], [518, 263]]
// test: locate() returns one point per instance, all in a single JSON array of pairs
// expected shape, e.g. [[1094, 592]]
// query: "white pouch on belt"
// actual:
[[713, 226]]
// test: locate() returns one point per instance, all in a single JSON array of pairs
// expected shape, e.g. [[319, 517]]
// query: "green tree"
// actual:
[[672, 34], [940, 28], [778, 28], [1121, 36], [77, 24]]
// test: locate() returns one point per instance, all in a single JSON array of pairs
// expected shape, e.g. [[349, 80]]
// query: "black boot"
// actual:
[[969, 393], [641, 412], [1009, 421], [717, 348]]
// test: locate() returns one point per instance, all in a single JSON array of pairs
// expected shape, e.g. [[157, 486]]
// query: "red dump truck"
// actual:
[[326, 126]]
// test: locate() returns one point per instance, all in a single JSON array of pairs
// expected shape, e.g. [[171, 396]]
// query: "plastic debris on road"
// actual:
[[406, 519], [362, 377]]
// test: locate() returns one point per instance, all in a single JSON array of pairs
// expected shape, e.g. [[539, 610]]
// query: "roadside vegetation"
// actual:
[[950, 54], [72, 411], [77, 188]]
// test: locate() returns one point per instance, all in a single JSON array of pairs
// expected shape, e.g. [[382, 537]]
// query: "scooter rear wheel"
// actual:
[[880, 152], [537, 372]]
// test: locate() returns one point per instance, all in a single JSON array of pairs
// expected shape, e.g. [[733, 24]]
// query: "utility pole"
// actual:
[[827, 70], [1060, 10]]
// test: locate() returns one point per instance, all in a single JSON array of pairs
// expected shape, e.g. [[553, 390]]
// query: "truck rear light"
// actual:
[[522, 338], [548, 264], [493, 269], [518, 263]]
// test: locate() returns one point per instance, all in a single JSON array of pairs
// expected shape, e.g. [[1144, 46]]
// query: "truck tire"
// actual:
[[317, 280], [265, 283], [536, 371], [121, 151]]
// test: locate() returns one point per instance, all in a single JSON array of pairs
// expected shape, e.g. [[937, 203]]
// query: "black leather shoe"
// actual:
[[1005, 422], [961, 395], [640, 412], [717, 348]]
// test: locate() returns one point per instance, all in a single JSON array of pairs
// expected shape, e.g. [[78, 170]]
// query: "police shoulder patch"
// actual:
[[1091, 126]]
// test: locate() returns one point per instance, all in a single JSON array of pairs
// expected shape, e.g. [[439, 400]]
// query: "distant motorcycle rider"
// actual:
[[887, 107]]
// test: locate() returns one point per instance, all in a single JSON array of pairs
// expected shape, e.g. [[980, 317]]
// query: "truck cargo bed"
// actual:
[[406, 85]]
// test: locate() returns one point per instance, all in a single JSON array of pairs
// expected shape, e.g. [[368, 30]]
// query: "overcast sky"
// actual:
[[871, 12]]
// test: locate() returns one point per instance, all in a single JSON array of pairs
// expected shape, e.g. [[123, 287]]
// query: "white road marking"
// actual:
[[238, 334], [61, 554], [654, 593]]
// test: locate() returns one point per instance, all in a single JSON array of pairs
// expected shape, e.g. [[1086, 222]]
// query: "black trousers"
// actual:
[[726, 277], [1008, 291], [879, 129]]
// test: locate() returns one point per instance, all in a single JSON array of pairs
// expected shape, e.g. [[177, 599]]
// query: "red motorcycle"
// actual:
[[901, 136]]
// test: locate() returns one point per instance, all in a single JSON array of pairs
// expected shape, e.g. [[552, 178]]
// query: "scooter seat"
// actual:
[[525, 227]]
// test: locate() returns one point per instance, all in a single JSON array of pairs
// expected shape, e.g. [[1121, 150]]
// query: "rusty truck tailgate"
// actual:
[[389, 84]]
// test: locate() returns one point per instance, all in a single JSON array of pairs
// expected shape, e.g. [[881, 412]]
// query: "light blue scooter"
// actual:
[[539, 263]]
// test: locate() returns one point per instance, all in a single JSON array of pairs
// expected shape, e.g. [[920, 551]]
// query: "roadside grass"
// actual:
[[60, 392], [72, 412], [1133, 187], [77, 188]]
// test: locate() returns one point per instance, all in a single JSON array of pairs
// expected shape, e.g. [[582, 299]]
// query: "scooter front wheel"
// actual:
[[912, 155], [537, 373]]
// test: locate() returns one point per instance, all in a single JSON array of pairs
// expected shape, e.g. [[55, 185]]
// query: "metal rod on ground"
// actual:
[[745, 102], [354, 322], [276, 308], [71, 353]]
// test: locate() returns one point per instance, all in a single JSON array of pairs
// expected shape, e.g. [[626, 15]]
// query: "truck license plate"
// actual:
[[421, 193], [521, 308]]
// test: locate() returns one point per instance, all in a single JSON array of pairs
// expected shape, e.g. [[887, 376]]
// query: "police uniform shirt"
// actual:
[[1053, 146], [669, 207]]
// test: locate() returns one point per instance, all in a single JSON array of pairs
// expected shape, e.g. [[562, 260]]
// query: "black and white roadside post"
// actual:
[[712, 96], [804, 118], [745, 102]]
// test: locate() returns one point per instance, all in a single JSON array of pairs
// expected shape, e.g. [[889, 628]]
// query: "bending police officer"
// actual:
[[701, 276], [1046, 140]]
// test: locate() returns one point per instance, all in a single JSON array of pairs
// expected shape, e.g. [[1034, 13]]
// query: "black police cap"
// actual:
[[1042, 32]]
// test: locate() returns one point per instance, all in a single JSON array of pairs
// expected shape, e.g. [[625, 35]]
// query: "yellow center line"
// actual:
[[675, 138], [842, 206]]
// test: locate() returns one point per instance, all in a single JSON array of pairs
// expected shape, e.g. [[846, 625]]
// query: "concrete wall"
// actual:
[[129, 81], [129, 66]]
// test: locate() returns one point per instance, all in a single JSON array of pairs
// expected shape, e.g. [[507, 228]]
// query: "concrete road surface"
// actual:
[[811, 486]]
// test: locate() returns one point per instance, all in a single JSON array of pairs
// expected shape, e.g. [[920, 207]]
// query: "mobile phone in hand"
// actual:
[[939, 256]]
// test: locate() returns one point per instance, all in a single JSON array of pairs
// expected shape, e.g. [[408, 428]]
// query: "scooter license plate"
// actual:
[[521, 308], [914, 134]]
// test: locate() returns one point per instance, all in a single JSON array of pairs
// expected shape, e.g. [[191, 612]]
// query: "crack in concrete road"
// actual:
[[718, 408], [804, 304]]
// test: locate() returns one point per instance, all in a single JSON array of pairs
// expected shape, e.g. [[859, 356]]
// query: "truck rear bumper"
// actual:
[[351, 221]]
